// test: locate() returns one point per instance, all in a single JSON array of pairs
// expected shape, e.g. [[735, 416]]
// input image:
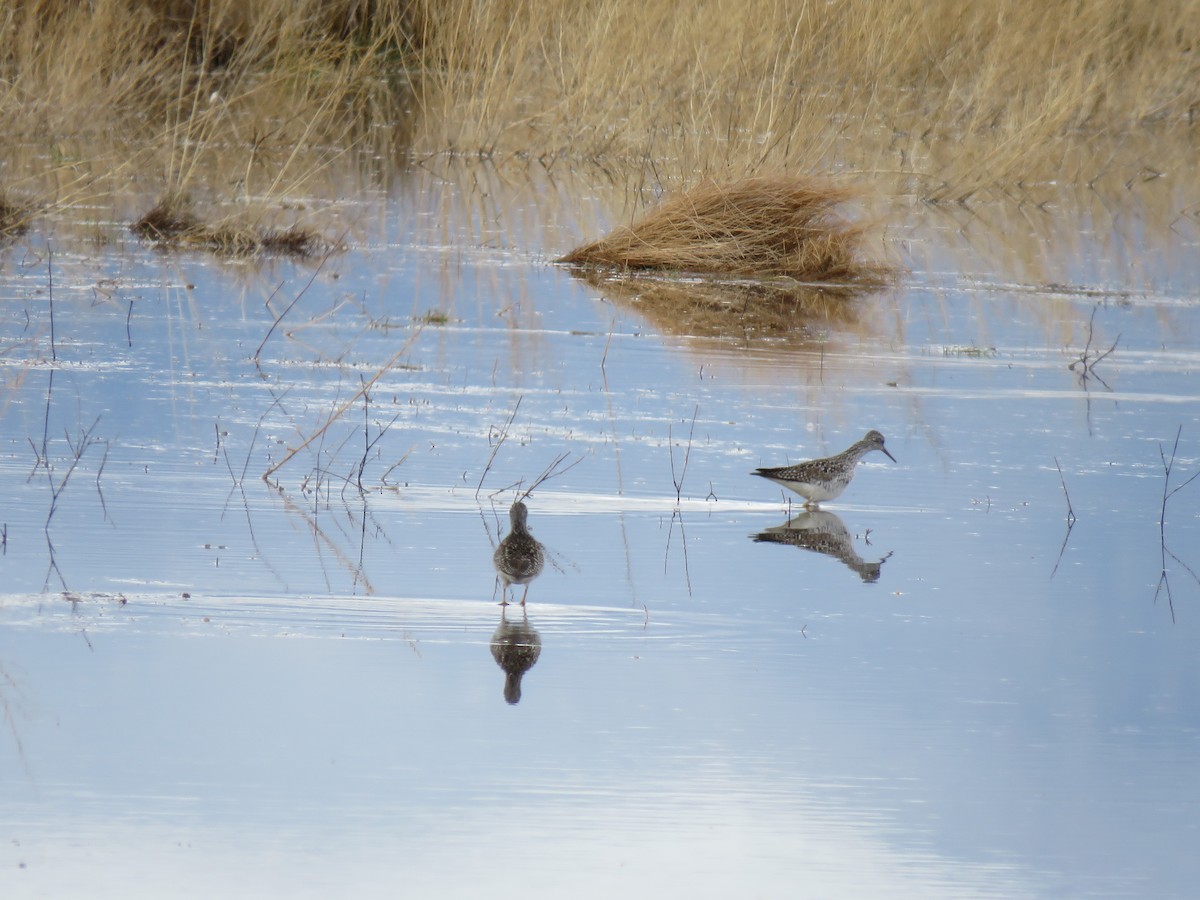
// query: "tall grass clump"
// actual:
[[763, 226]]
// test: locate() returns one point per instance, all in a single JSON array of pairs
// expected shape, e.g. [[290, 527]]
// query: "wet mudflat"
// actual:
[[932, 687]]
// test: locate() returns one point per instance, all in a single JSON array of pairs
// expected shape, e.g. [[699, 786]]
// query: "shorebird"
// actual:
[[519, 558], [825, 479]]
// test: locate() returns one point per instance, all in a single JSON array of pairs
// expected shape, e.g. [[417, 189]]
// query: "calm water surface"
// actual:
[[216, 684]]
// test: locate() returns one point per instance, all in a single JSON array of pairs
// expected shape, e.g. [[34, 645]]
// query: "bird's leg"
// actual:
[[524, 595]]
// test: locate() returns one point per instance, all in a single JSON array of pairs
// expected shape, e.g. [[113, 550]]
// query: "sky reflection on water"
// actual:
[[1000, 708]]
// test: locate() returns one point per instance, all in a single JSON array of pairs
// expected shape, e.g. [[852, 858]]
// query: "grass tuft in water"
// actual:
[[14, 215], [434, 317], [170, 219], [171, 222], [760, 227], [969, 350]]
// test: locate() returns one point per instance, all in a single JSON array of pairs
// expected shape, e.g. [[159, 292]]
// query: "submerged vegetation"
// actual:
[[171, 222], [246, 107]]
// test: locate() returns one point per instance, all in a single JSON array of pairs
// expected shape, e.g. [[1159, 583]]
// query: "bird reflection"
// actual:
[[515, 647], [823, 532], [520, 557]]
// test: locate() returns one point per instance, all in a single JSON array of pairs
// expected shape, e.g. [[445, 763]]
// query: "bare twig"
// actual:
[[99, 473], [362, 463], [1167, 467], [54, 358], [50, 279], [499, 443], [370, 442], [337, 414], [278, 318], [519, 484], [276, 401], [604, 359], [551, 471], [1063, 481], [678, 482], [1086, 361], [323, 542], [43, 458], [677, 513], [1070, 518], [316, 271], [1164, 580], [394, 466], [78, 448]]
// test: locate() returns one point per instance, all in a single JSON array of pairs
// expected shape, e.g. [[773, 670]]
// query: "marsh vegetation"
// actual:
[[267, 111], [755, 227], [282, 341]]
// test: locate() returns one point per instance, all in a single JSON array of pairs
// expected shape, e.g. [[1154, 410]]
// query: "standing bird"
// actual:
[[824, 479], [519, 558]]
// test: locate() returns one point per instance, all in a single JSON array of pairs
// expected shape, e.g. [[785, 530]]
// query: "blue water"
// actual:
[[224, 685]]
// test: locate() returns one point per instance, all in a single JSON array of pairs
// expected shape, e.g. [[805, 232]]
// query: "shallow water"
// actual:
[[934, 687]]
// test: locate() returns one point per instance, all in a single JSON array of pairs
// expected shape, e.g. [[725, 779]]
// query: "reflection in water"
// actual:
[[743, 308], [13, 705], [515, 647], [823, 532], [520, 557]]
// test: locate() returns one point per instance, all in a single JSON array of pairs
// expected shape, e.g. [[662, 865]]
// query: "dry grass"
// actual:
[[240, 106], [150, 65], [953, 99], [766, 226], [948, 101]]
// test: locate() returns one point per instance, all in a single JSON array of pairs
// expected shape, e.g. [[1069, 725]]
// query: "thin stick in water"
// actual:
[[499, 443]]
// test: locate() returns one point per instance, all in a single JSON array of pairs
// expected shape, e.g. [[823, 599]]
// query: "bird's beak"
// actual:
[[889, 456]]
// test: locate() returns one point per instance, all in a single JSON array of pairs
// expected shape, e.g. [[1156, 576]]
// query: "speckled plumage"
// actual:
[[520, 558], [824, 479]]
